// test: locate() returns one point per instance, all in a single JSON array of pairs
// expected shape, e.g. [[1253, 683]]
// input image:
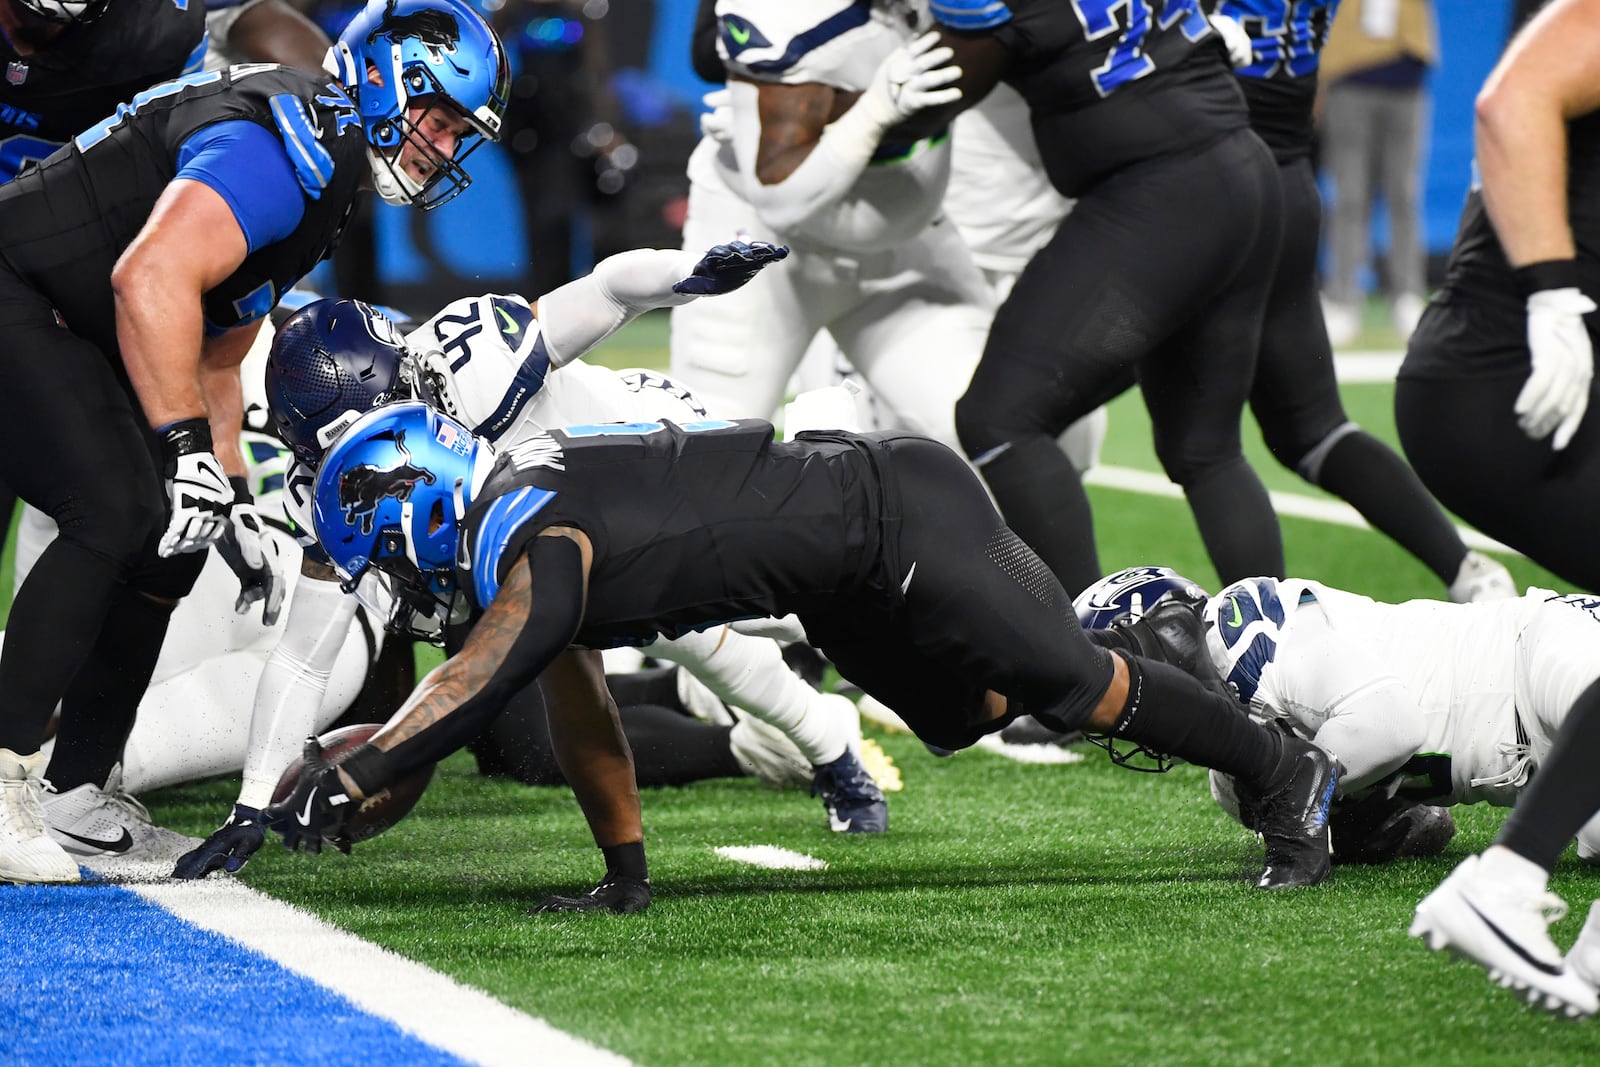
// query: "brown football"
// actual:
[[377, 813]]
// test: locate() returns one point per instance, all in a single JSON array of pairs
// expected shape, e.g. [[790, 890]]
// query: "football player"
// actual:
[[1492, 397], [885, 545], [511, 369], [1295, 397], [1425, 704], [1161, 269], [135, 267], [807, 156]]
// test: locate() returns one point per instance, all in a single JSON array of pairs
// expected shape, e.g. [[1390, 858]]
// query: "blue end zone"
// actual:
[[97, 974]]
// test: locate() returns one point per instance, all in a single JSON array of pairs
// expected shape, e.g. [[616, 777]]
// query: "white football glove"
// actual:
[[717, 123], [1556, 394], [1234, 36], [254, 558], [912, 78], [200, 496]]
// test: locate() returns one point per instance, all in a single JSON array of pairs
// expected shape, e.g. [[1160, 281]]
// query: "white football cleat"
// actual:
[[1481, 578], [1504, 928], [27, 852], [107, 823], [1584, 959]]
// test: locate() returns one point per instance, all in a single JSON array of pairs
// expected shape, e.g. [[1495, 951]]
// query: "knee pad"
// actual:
[[116, 525], [167, 580], [981, 429]]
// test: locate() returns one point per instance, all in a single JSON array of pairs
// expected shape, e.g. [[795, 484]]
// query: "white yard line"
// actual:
[[424, 1003], [1028, 753], [771, 857]]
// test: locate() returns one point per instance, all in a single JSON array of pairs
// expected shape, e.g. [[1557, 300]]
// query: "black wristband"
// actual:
[[626, 861], [1549, 274], [184, 437], [370, 768], [241, 489]]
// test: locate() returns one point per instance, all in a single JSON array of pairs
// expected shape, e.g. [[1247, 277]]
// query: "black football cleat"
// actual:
[[1292, 809], [854, 802]]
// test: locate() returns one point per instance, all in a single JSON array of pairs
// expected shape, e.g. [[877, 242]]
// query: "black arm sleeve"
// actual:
[[554, 614], [703, 48]]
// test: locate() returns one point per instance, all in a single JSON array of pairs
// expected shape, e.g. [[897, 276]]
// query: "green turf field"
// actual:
[[1013, 915]]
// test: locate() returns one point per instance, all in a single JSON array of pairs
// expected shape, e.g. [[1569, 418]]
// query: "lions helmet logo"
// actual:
[[363, 488]]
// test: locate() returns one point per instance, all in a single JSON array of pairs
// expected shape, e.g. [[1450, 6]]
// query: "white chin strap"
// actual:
[[394, 185]]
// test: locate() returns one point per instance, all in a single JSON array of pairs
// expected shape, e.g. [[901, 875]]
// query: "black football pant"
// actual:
[[75, 445], [1296, 399], [1161, 270], [1462, 438]]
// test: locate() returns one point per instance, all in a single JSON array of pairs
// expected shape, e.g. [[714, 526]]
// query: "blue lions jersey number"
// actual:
[[1286, 35], [1131, 21]]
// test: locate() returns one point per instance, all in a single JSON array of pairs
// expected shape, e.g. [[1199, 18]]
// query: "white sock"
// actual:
[[749, 673]]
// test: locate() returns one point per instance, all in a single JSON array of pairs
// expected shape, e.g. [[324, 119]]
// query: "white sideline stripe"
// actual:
[[1028, 753], [1301, 507], [1366, 367], [424, 1003], [771, 857]]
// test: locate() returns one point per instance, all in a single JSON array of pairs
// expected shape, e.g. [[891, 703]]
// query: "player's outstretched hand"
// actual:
[[228, 848], [914, 77], [317, 810], [725, 268], [1556, 394], [254, 557], [621, 895], [716, 122]]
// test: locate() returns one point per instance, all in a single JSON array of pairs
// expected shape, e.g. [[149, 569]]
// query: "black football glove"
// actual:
[[621, 895], [318, 810], [725, 268], [228, 848]]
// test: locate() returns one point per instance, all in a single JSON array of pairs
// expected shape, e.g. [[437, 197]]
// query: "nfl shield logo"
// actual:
[[16, 73]]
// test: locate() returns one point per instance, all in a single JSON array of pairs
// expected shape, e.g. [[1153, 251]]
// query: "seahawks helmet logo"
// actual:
[[363, 488]]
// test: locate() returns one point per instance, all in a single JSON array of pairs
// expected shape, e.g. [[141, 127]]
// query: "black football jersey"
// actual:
[[1280, 86], [47, 98], [64, 223], [691, 525], [1110, 82]]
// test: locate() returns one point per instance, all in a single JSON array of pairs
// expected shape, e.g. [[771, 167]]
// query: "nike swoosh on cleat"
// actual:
[[838, 825], [121, 844], [1546, 968]]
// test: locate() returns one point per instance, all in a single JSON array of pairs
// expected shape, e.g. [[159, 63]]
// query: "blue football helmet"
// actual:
[[388, 504], [426, 53], [1128, 593], [331, 361]]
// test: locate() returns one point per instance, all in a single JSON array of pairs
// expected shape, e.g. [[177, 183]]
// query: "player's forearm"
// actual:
[[592, 751], [804, 166], [159, 333], [582, 313], [1522, 163], [224, 400]]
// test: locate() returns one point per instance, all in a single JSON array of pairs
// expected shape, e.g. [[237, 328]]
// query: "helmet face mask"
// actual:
[[331, 361], [408, 64], [387, 507]]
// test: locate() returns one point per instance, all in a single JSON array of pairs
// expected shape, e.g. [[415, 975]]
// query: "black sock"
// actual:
[[100, 705], [1376, 482], [1566, 792], [56, 616], [1237, 523], [670, 748], [1042, 499], [1171, 713]]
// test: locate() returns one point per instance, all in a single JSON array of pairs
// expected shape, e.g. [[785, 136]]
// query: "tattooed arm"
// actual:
[[534, 616]]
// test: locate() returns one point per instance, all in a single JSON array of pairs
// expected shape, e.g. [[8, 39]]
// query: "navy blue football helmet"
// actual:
[[331, 361], [388, 504], [1128, 593], [426, 53]]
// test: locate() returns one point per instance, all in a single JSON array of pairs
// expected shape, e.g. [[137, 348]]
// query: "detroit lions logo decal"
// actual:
[[363, 488]]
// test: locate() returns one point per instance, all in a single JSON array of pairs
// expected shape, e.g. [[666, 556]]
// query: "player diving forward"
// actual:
[[885, 545], [493, 361], [1426, 702]]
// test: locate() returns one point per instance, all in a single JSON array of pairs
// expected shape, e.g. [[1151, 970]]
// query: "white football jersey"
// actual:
[[1451, 675], [489, 365]]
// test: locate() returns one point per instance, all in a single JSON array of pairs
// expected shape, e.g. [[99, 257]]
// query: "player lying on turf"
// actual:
[[509, 369], [885, 545], [1425, 703]]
